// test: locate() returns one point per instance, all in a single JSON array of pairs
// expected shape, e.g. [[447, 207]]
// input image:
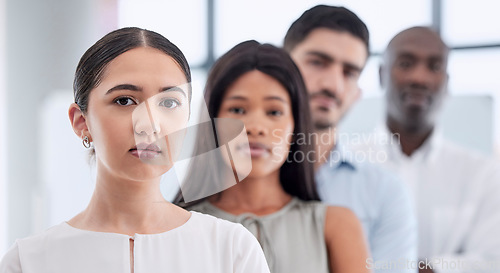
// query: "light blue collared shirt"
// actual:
[[381, 202]]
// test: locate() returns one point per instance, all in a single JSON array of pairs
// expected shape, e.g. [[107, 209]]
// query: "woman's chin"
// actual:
[[146, 173]]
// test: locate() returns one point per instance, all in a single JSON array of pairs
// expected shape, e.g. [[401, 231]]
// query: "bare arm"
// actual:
[[347, 248]]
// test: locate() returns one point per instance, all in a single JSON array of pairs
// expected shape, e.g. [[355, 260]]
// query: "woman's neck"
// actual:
[[128, 207], [257, 195]]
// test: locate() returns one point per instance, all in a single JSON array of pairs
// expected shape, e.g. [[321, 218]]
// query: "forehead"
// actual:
[[144, 61], [419, 43], [256, 84], [340, 45]]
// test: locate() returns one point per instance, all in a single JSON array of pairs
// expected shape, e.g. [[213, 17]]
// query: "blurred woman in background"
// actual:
[[261, 86]]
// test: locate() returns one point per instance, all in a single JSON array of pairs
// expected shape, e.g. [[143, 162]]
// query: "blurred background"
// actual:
[[44, 174]]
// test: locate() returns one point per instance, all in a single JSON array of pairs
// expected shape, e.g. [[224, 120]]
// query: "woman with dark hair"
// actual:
[[131, 91], [261, 86]]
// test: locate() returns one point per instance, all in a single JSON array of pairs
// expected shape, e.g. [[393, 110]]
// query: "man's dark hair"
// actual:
[[322, 16]]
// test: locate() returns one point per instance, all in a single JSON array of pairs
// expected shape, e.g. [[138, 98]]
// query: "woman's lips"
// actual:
[[145, 154], [145, 151], [258, 149]]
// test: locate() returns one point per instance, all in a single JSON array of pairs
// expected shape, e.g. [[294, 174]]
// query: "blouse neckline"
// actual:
[[176, 229], [277, 213]]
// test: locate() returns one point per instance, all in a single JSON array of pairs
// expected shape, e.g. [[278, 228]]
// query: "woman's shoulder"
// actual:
[[337, 214], [11, 262], [48, 235], [344, 237], [340, 219]]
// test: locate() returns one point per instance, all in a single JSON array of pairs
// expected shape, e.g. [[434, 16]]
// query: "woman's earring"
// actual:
[[86, 142]]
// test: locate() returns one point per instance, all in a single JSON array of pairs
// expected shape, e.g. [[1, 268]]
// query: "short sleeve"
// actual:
[[249, 257], [11, 262]]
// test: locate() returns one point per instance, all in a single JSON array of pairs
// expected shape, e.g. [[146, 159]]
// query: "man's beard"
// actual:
[[322, 125]]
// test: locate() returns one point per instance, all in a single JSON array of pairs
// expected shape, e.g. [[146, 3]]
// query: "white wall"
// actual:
[[3, 142], [44, 41]]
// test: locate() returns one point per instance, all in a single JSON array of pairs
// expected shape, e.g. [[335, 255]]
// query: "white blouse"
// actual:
[[202, 244]]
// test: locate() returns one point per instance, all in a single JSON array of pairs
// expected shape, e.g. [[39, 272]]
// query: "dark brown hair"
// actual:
[[94, 61], [322, 16]]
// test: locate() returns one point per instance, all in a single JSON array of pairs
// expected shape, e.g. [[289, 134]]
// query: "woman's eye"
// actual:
[[169, 103], [236, 110], [124, 101], [276, 113]]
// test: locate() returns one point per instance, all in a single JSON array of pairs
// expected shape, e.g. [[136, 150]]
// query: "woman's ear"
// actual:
[[78, 121]]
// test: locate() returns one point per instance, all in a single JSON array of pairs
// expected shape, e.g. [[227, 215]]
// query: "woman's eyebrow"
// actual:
[[174, 88], [130, 87], [236, 98], [276, 98], [266, 98]]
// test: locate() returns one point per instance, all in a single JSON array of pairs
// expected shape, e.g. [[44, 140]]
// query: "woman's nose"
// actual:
[[255, 127], [145, 121]]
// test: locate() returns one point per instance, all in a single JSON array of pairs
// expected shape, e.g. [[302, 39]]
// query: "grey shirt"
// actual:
[[292, 238]]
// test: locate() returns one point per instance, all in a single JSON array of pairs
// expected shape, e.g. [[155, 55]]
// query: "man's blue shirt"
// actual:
[[381, 202]]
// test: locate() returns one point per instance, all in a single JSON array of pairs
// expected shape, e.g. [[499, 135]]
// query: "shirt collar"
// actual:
[[427, 152], [341, 156]]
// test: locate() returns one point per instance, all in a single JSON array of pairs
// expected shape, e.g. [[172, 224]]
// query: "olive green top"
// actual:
[[292, 238]]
